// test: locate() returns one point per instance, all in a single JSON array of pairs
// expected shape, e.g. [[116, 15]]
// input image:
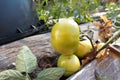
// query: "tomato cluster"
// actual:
[[65, 40]]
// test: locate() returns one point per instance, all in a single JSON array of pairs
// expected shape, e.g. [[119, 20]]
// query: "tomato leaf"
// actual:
[[51, 74], [11, 75], [26, 61]]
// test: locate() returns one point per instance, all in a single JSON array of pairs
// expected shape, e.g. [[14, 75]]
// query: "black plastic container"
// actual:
[[18, 18]]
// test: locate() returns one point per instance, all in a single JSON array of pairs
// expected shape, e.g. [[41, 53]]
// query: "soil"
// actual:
[[44, 61]]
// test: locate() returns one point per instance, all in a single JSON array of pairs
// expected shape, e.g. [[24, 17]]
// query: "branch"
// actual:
[[89, 40]]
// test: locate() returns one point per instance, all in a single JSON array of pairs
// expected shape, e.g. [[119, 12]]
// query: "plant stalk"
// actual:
[[116, 34], [89, 40]]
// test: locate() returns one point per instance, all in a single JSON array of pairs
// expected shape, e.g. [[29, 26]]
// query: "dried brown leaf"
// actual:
[[104, 18], [102, 53], [108, 24], [89, 57], [97, 24]]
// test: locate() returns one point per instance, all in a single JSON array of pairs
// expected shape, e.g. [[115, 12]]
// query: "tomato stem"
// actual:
[[89, 40]]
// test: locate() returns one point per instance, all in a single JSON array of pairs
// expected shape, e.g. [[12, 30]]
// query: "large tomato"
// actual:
[[71, 64], [65, 36]]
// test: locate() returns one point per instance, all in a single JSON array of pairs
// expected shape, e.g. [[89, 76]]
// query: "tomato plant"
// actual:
[[78, 9]]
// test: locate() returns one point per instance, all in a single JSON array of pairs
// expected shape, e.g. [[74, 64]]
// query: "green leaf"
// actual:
[[11, 75], [26, 60], [51, 74], [65, 1]]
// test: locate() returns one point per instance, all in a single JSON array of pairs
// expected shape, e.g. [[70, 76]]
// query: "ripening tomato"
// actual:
[[65, 36], [71, 64]]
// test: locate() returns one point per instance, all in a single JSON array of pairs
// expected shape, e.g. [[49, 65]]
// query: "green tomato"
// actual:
[[65, 36], [71, 64], [84, 48]]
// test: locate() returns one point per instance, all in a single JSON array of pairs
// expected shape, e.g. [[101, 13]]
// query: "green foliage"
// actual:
[[51, 74], [11, 75], [26, 62], [113, 10], [82, 10], [78, 9]]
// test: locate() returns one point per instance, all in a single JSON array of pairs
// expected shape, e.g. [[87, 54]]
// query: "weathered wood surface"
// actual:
[[107, 68], [39, 44]]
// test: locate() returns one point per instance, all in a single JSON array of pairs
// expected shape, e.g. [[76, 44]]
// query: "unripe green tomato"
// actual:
[[65, 36], [84, 48], [71, 64]]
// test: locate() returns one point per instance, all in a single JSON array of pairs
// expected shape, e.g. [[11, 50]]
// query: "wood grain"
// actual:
[[39, 44]]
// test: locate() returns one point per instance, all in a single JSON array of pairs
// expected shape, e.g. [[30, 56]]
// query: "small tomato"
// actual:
[[71, 64], [84, 47]]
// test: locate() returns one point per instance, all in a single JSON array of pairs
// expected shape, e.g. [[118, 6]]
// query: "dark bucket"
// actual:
[[18, 19]]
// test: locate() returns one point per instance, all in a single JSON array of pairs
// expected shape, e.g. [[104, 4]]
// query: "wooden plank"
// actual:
[[39, 44], [108, 67]]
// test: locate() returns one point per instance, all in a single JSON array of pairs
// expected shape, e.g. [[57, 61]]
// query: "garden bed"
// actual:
[[46, 57]]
